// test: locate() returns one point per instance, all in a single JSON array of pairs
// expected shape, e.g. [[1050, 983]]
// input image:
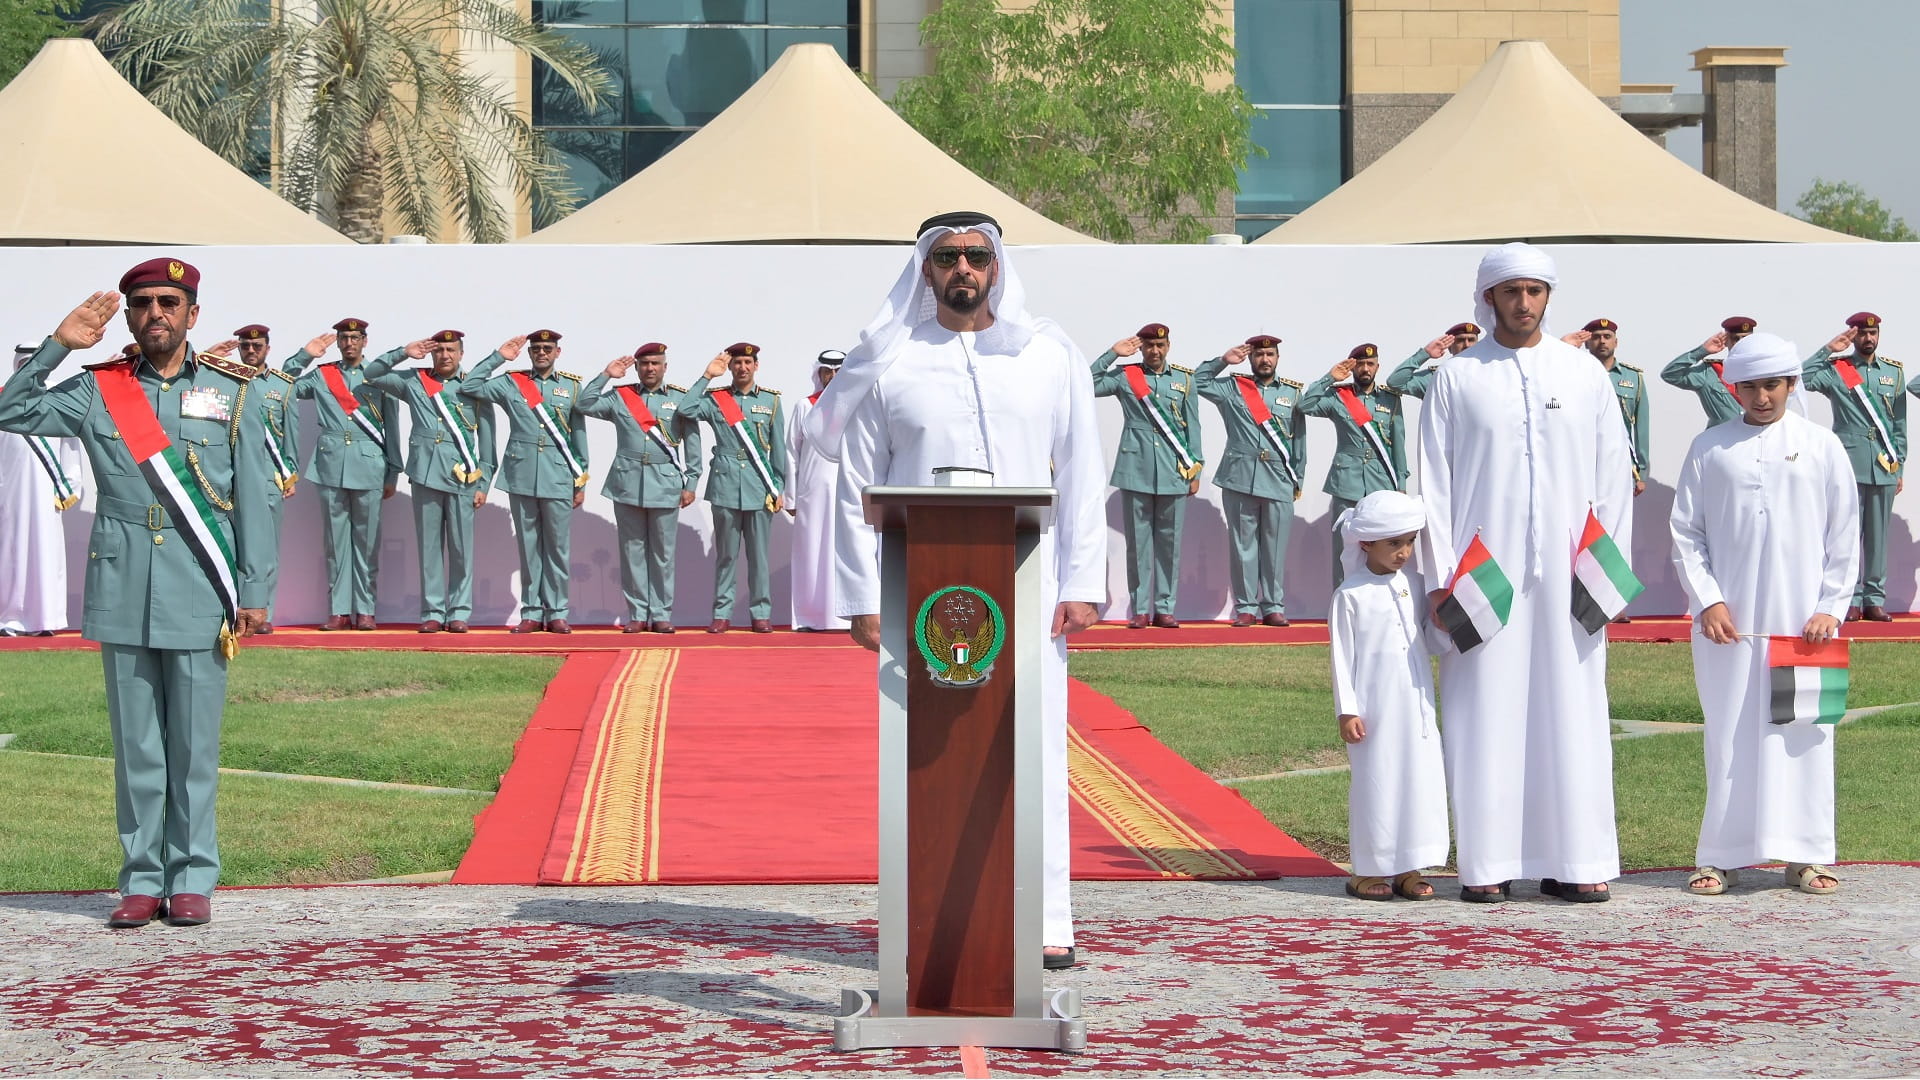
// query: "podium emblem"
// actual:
[[959, 632]]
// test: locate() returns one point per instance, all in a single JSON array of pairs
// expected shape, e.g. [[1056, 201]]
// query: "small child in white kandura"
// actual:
[[1383, 692]]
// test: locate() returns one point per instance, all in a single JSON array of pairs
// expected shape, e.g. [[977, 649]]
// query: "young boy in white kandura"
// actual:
[[1383, 693]]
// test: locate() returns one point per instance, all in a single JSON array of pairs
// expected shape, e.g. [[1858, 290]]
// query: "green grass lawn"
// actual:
[[1238, 712]]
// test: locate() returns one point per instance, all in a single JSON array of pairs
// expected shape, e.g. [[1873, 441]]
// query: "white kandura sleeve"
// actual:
[[865, 458]]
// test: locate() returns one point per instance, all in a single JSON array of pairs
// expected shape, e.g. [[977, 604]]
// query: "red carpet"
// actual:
[[710, 766]]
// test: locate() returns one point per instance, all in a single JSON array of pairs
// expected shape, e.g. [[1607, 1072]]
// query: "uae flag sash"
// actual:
[[1809, 681], [1882, 426], [1633, 452], [277, 453], [1603, 583], [449, 412], [170, 475], [637, 407], [1256, 403], [1362, 417], [1479, 599], [1719, 372], [723, 399], [551, 422], [65, 496], [351, 405], [1143, 393]]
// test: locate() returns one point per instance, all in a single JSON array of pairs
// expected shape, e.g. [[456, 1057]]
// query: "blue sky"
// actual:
[[1846, 98]]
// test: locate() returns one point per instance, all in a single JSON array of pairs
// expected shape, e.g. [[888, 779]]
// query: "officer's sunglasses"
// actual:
[[168, 302], [946, 258]]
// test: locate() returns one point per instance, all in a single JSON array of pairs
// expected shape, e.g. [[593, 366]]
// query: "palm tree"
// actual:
[[377, 108]]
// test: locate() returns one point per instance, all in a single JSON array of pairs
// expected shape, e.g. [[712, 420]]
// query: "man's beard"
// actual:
[[161, 349], [963, 303], [1363, 385]]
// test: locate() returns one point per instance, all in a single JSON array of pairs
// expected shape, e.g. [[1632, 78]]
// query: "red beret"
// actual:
[[1601, 324], [544, 335], [1459, 328], [251, 332], [1364, 352], [651, 348], [162, 271], [1864, 320], [1263, 341], [743, 348], [449, 336], [1738, 324], [351, 325], [1153, 331]]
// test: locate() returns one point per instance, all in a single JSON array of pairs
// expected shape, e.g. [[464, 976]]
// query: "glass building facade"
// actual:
[[676, 64], [1291, 62]]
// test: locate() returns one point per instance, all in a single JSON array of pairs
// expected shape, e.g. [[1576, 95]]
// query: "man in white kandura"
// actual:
[[1765, 535], [953, 371], [39, 478], [1520, 436], [809, 502]]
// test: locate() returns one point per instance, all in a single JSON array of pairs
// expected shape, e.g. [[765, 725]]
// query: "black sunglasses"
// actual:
[[169, 302], [947, 258]]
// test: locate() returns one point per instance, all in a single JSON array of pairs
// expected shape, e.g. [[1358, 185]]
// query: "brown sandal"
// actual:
[[1357, 887], [1405, 886]]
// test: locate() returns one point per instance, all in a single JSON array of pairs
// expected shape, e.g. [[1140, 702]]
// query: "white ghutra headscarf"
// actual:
[[1506, 263], [911, 303], [1381, 515]]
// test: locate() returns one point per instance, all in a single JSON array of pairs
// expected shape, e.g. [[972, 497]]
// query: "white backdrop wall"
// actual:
[[796, 301]]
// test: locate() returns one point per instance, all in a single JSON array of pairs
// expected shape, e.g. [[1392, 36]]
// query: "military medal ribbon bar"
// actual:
[[637, 407], [343, 394], [65, 497], [1882, 429], [1142, 392], [171, 478], [530, 391], [1263, 419], [737, 420], [1358, 412], [437, 393]]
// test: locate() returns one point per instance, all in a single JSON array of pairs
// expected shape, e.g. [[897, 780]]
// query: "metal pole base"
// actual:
[[1059, 1028]]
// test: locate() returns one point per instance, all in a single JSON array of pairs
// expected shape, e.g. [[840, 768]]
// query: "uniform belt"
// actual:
[[152, 515]]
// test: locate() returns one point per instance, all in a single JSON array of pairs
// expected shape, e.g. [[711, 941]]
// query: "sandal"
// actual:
[[1499, 895], [1722, 881], [1801, 876], [1357, 887], [1571, 893], [1407, 886]]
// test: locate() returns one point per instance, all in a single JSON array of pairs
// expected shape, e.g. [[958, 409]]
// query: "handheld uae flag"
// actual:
[[1479, 598], [1809, 681], [1876, 412], [1603, 583]]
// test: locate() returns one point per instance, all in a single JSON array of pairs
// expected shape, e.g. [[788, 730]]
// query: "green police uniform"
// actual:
[[1630, 387], [1877, 474], [1153, 493], [1692, 370], [537, 479], [645, 483], [150, 605], [1358, 469], [442, 502], [1257, 488], [282, 422], [351, 471], [1412, 377], [737, 495]]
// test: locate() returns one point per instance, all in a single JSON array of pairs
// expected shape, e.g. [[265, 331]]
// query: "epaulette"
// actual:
[[1624, 364], [1181, 370], [1891, 360], [282, 374], [1291, 382], [235, 369], [105, 364], [768, 389], [568, 375], [676, 389], [1381, 387]]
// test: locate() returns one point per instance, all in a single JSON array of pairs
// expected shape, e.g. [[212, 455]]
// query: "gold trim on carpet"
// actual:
[[617, 834], [1140, 821]]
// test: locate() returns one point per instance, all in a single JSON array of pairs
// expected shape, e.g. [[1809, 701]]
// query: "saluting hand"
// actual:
[[1126, 346], [1577, 338], [511, 347], [618, 366], [717, 365], [418, 350], [1843, 341], [1237, 355], [1718, 342], [1342, 369], [224, 349], [85, 325], [318, 347], [1438, 347]]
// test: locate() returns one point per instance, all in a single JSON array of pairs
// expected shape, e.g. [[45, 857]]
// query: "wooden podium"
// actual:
[[960, 777]]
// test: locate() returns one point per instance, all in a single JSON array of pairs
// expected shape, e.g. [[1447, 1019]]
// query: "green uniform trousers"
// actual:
[[1257, 529], [730, 529], [271, 577], [544, 528], [647, 535], [353, 548], [1153, 524], [163, 706], [444, 522], [1876, 513], [1339, 506]]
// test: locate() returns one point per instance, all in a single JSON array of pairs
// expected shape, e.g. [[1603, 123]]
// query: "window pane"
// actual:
[[1302, 163], [646, 147], [812, 12], [1290, 52], [687, 76], [697, 11], [778, 40], [555, 103], [588, 12], [594, 161]]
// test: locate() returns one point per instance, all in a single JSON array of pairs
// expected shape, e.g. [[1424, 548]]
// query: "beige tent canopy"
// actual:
[[808, 154], [1525, 152], [90, 161]]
